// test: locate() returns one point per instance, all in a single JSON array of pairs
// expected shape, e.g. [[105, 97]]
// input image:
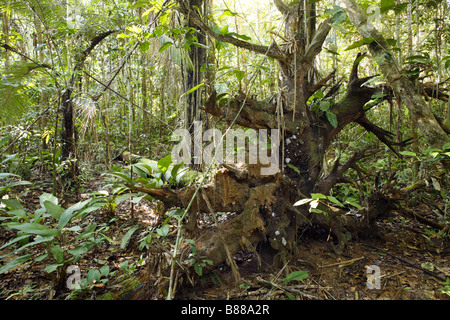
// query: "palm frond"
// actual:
[[178, 55], [17, 86]]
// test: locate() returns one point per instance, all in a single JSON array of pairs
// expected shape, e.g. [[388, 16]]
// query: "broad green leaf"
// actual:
[[134, 29], [386, 5], [78, 251], [124, 197], [239, 74], [52, 267], [359, 43], [127, 236], [296, 276], [7, 174], [318, 196], [408, 153], [35, 228], [334, 200], [418, 58], [165, 46], [240, 36], [37, 240], [75, 207], [144, 46], [14, 241], [16, 262], [123, 176], [47, 197], [58, 253], [227, 12], [338, 17], [163, 231], [164, 163], [332, 118], [14, 204], [93, 274], [324, 105], [104, 270], [53, 209], [198, 269]]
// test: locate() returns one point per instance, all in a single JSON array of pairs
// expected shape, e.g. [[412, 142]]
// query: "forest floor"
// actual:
[[412, 262]]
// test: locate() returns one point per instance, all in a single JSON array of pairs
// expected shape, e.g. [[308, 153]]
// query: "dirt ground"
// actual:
[[412, 263]]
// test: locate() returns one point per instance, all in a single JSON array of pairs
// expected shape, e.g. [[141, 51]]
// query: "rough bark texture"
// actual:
[[264, 204], [405, 88]]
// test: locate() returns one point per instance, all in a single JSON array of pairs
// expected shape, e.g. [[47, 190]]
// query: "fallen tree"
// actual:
[[266, 215]]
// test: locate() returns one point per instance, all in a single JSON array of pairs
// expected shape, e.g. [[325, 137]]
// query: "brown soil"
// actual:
[[413, 265]]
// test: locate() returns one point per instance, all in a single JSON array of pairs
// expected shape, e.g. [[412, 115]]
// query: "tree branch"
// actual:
[[319, 37], [254, 114], [324, 186], [271, 51], [404, 87], [281, 6]]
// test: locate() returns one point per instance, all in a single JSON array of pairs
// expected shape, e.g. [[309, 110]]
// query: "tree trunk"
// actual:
[[264, 203], [404, 87]]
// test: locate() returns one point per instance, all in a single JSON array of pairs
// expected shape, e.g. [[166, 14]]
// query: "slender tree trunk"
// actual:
[[6, 31]]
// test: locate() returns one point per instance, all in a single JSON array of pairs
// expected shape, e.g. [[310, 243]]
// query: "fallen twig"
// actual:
[[410, 264]]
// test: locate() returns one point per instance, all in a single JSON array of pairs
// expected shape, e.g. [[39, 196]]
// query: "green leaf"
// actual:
[[294, 168], [14, 241], [93, 274], [58, 253], [227, 12], [408, 153], [13, 204], [163, 231], [418, 58], [335, 201], [16, 262], [324, 105], [386, 5], [127, 237], [165, 46], [192, 90], [296, 276], [53, 209], [144, 46], [35, 228], [7, 174], [198, 269], [239, 74], [359, 43], [318, 196], [332, 118], [104, 270], [47, 197], [338, 17], [446, 146], [52, 267], [78, 251], [164, 163]]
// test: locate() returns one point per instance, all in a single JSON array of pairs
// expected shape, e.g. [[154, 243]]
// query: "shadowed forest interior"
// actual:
[[224, 149]]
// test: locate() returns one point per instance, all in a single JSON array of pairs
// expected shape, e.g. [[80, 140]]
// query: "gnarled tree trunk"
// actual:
[[264, 204]]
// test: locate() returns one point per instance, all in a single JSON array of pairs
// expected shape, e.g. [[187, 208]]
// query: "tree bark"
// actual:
[[264, 204], [404, 87]]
